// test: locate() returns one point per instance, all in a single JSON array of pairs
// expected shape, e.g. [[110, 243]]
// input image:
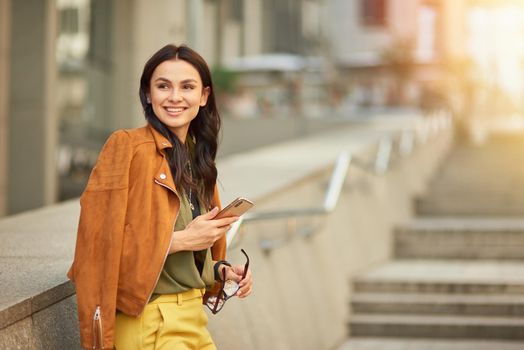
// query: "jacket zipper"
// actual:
[[97, 329], [167, 252]]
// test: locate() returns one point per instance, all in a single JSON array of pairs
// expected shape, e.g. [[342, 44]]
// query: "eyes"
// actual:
[[166, 87]]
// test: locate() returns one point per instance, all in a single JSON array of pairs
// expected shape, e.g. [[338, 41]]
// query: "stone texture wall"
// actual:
[[301, 289]]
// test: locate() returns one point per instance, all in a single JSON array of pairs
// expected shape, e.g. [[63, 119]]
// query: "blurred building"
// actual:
[[70, 72], [393, 50], [70, 69]]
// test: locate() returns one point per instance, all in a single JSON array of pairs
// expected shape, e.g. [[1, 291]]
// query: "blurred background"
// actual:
[[69, 72]]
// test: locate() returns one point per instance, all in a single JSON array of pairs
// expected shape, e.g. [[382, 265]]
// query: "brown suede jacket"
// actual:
[[128, 212]]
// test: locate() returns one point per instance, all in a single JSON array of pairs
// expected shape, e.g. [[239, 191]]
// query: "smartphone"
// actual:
[[236, 208]]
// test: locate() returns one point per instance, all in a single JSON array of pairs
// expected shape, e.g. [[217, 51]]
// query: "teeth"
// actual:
[[174, 110]]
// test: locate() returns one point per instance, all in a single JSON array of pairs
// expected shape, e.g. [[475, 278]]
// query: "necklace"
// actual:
[[191, 177]]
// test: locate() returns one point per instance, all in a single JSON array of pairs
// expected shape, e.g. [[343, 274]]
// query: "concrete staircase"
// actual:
[[458, 267], [440, 299], [479, 180]]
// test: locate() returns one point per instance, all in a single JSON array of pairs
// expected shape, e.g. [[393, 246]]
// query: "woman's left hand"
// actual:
[[235, 273]]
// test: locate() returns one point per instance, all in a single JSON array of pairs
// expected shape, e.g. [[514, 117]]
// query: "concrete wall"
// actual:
[[301, 290], [301, 294], [32, 112], [252, 27], [240, 135], [54, 327], [5, 24]]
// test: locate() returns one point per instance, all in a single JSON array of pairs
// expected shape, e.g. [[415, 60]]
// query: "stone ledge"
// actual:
[[27, 307], [35, 253]]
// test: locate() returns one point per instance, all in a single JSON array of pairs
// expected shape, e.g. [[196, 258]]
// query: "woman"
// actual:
[[148, 250]]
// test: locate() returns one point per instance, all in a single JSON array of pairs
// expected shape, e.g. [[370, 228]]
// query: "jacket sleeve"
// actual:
[[98, 249]]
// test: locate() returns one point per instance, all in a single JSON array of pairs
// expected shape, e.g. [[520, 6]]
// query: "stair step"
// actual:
[[433, 206], [476, 188], [478, 180], [480, 199], [474, 196], [461, 238], [369, 343], [457, 223], [444, 304], [459, 271], [444, 276], [437, 326]]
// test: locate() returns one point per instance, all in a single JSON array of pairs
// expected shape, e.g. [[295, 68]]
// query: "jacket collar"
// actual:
[[163, 175], [160, 140]]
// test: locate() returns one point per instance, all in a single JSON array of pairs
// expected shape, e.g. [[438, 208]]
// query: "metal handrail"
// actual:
[[405, 146], [336, 183], [407, 141], [383, 155], [382, 158], [379, 166]]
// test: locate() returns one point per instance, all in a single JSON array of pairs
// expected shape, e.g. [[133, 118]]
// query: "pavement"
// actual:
[[427, 344]]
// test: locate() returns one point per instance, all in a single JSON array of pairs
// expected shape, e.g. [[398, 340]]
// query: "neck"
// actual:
[[181, 134]]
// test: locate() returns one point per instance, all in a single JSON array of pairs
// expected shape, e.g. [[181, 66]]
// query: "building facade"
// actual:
[[71, 77], [393, 47]]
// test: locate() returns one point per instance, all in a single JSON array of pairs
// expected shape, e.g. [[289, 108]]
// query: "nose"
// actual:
[[175, 95]]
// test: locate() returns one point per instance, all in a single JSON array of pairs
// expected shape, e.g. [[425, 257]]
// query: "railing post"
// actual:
[[383, 155], [337, 181], [406, 143]]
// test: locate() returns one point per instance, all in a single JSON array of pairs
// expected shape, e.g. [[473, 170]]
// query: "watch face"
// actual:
[[230, 287]]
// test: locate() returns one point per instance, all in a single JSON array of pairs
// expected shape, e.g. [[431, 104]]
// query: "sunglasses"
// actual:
[[228, 289]]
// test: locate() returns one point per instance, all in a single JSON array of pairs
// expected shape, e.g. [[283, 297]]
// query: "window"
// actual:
[[373, 12], [236, 8], [69, 20]]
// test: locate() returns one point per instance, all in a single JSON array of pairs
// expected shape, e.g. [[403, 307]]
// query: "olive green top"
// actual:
[[180, 272]]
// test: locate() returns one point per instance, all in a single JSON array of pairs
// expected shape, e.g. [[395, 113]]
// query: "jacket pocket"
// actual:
[[97, 329]]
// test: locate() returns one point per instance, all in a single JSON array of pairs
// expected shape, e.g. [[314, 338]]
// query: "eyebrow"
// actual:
[[182, 82]]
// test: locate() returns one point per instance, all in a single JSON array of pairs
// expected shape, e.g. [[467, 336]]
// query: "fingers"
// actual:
[[204, 223], [246, 286], [235, 273], [216, 234], [208, 218], [204, 231], [225, 221], [210, 214], [232, 274]]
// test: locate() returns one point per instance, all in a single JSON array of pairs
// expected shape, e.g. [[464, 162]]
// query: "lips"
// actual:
[[175, 110]]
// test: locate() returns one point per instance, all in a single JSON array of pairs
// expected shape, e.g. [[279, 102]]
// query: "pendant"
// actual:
[[191, 206]]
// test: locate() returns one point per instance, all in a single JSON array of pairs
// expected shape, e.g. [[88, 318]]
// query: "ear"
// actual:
[[205, 94]]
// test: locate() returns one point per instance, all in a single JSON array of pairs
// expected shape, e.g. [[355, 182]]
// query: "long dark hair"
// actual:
[[204, 128]]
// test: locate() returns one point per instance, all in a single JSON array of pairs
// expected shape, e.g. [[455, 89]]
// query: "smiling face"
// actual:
[[176, 93]]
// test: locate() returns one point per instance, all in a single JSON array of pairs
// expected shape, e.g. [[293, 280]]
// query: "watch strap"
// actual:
[[217, 266]]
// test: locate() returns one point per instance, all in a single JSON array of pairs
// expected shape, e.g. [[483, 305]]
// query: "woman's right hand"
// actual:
[[201, 233]]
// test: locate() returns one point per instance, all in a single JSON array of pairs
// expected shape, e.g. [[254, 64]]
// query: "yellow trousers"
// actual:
[[170, 322]]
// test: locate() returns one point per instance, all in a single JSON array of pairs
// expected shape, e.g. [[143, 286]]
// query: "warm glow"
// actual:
[[497, 45]]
